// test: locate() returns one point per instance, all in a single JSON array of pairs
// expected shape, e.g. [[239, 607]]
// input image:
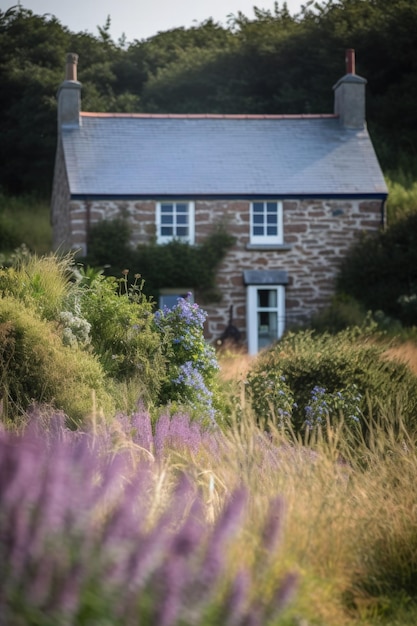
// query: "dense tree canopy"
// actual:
[[272, 62]]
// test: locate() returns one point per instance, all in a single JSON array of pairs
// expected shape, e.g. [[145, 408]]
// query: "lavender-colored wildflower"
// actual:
[[226, 525], [75, 538], [142, 429], [285, 593], [272, 531], [162, 431], [237, 599]]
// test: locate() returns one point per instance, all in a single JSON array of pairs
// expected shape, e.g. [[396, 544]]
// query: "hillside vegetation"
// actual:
[[270, 62]]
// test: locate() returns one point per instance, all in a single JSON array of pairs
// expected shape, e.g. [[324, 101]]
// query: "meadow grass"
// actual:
[[28, 218], [351, 512], [331, 511]]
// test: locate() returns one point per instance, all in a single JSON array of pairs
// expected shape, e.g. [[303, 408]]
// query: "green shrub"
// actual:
[[402, 198], [35, 366], [122, 332], [169, 265], [25, 220], [108, 245], [330, 374], [9, 235], [379, 270], [343, 312]]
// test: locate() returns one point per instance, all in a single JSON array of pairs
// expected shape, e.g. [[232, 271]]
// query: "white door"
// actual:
[[265, 309]]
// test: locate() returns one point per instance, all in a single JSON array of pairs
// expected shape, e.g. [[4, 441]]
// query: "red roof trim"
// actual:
[[209, 116]]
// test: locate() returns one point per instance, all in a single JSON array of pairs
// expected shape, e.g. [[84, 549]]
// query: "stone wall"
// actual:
[[317, 235]]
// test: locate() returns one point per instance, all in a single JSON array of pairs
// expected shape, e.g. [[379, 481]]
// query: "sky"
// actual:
[[140, 19]]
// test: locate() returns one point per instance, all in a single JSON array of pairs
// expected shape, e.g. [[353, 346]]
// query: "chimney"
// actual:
[[349, 96], [69, 95]]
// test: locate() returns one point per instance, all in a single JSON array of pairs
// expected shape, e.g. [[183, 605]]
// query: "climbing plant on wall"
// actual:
[[173, 264]]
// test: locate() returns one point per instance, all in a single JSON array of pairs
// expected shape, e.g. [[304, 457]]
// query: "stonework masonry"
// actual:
[[317, 236]]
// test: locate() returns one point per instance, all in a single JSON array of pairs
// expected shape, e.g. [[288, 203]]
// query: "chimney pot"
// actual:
[[71, 66], [350, 61]]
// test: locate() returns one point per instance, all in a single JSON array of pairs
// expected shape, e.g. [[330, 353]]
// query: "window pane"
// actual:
[[258, 219], [167, 208], [166, 231], [271, 219], [166, 219], [258, 230], [258, 207], [267, 298], [182, 231], [272, 207], [267, 329], [271, 231], [182, 219], [182, 208]]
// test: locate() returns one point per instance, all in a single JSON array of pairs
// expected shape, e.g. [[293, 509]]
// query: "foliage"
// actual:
[[191, 361], [83, 542], [24, 220], [161, 266], [402, 198], [108, 246], [340, 374], [388, 262], [35, 366], [343, 312], [112, 321], [42, 283], [121, 330], [324, 405]]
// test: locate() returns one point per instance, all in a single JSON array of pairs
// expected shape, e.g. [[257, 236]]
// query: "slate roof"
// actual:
[[214, 155]]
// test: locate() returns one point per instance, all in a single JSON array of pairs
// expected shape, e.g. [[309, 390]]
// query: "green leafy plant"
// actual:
[[388, 262], [169, 265], [122, 332], [35, 366]]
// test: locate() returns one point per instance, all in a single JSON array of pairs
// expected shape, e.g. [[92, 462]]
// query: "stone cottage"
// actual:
[[295, 191]]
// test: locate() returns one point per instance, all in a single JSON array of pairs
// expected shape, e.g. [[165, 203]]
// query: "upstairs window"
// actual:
[[266, 223], [175, 220]]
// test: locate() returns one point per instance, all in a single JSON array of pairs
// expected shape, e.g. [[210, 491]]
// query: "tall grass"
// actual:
[[333, 512], [402, 197], [25, 220]]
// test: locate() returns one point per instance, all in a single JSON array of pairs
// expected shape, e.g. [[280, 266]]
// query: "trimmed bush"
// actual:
[[309, 377]]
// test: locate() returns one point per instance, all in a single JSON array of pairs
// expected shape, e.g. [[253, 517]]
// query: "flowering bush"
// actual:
[[191, 361], [359, 381], [273, 396], [324, 405], [78, 546], [76, 329]]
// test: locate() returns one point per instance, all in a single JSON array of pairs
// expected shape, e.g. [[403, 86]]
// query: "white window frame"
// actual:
[[265, 238], [252, 311], [191, 226]]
